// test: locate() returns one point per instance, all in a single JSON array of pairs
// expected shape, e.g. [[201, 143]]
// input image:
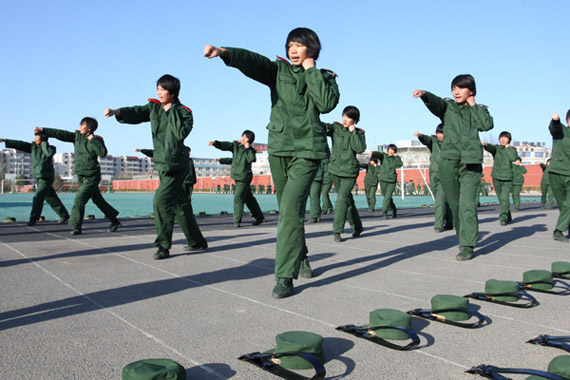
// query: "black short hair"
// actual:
[[90, 123], [374, 160], [439, 129], [567, 116], [42, 135], [506, 134], [169, 83], [464, 81], [188, 149], [306, 37], [249, 135], [393, 147], [519, 159], [352, 112]]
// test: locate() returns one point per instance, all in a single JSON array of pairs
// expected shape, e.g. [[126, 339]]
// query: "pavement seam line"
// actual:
[[117, 316]]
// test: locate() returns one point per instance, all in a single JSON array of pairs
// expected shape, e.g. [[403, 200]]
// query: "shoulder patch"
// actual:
[[186, 108], [77, 130], [483, 105], [283, 59], [337, 122], [330, 71], [98, 136], [362, 130], [154, 101]]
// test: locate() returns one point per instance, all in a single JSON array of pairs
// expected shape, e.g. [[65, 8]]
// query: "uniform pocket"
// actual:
[[275, 127]]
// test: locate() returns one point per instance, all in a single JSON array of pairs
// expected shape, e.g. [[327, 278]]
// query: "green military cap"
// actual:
[[493, 287], [561, 267], [544, 276], [298, 341], [560, 366], [154, 369], [447, 301], [390, 317]]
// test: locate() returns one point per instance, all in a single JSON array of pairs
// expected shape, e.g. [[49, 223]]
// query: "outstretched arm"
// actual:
[[59, 134], [17, 144]]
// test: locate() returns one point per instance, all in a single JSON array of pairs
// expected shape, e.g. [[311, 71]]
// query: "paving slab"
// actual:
[[76, 307]]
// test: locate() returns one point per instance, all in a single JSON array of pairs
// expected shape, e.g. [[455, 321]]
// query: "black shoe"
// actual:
[[394, 215], [447, 227], [283, 288], [161, 253], [258, 222], [559, 236], [306, 271], [198, 247], [63, 220], [115, 225], [357, 233], [76, 231], [32, 223]]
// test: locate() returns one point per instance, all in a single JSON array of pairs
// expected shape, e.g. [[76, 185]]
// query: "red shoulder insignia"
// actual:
[[330, 71], [77, 130], [154, 101], [284, 60], [98, 136], [337, 122], [360, 129], [186, 108]]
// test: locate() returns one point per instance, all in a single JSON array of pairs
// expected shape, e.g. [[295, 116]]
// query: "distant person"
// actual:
[[327, 207], [518, 181], [371, 182], [243, 155], [546, 190], [559, 173], [315, 195], [42, 169], [442, 210], [504, 155], [348, 141], [170, 123], [461, 155], [88, 148], [300, 93], [389, 162]]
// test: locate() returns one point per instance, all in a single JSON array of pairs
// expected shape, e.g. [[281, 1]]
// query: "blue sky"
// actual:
[[63, 60]]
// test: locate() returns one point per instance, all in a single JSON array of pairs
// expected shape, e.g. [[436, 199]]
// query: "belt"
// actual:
[[492, 372], [434, 316], [522, 295], [268, 363], [369, 334]]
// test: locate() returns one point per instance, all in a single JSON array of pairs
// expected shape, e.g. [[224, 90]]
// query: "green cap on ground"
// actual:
[[561, 267], [446, 301], [560, 366], [390, 317], [538, 275], [154, 369], [493, 287], [299, 341]]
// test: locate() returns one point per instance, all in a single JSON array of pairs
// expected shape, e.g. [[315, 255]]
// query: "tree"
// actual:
[[20, 180]]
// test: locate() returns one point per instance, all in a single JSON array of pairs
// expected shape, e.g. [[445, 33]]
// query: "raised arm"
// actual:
[[555, 127], [434, 103], [222, 145], [425, 140], [322, 89], [378, 155], [399, 162], [491, 148], [58, 134], [482, 116], [97, 145], [226, 161], [358, 140], [19, 145], [147, 152], [49, 150], [250, 155]]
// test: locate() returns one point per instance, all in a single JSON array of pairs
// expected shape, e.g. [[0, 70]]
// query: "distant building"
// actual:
[[532, 152], [14, 163]]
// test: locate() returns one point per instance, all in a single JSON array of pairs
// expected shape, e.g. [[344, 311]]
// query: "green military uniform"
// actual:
[[315, 195], [326, 189], [461, 158], [502, 175], [242, 175], [546, 190], [559, 171], [371, 184], [190, 179], [388, 179], [42, 169], [88, 171], [442, 209], [296, 144], [344, 168], [518, 182], [169, 129]]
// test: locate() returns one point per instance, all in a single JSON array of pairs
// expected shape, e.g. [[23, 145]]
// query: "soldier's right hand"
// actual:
[[137, 150], [2, 140], [555, 116], [38, 129], [211, 51], [210, 143], [417, 134], [418, 93]]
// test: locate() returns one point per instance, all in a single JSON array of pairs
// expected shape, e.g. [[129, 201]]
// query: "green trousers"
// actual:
[[344, 205], [315, 196], [387, 189], [546, 192], [45, 192], [243, 195], [89, 189], [171, 202], [293, 178], [371, 195], [516, 194], [442, 210], [560, 185], [189, 191], [460, 183], [503, 190], [327, 186]]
